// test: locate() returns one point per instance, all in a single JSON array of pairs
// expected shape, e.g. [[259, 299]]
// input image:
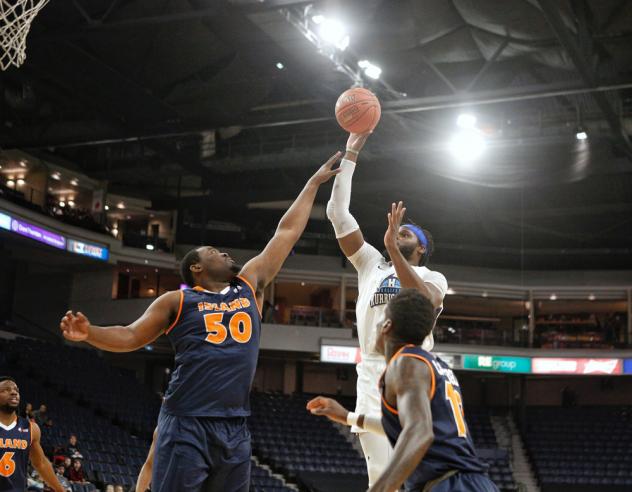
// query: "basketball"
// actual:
[[358, 110]]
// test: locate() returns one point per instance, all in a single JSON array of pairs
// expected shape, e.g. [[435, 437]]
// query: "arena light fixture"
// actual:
[[467, 145], [71, 203], [20, 181], [22, 163], [62, 204], [107, 207], [581, 134], [74, 182], [56, 176], [10, 183], [149, 247], [333, 31], [369, 69], [553, 297], [120, 205], [466, 121], [280, 65], [591, 297]]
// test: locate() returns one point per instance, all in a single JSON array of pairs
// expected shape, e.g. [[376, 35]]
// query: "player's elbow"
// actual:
[[331, 211], [422, 434]]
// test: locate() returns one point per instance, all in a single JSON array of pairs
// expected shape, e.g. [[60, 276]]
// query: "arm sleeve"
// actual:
[[338, 205]]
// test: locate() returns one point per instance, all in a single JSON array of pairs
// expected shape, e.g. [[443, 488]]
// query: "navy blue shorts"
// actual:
[[466, 482], [201, 454]]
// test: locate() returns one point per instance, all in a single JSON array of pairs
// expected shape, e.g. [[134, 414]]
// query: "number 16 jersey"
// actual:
[[452, 448], [216, 340]]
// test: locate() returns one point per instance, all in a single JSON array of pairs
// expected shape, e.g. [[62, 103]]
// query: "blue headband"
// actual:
[[419, 233]]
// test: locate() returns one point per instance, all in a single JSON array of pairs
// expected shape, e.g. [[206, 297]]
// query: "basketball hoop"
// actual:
[[15, 22]]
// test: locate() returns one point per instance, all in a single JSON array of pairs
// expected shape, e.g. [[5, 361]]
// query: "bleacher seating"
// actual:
[[581, 448]]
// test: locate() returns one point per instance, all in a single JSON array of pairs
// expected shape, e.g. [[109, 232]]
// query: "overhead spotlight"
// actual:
[[115, 232], [56, 176], [581, 134], [22, 163], [74, 182], [150, 247], [484, 294], [120, 205], [280, 66], [467, 145], [553, 297], [591, 297], [62, 204], [71, 203], [332, 31], [318, 19], [20, 182], [10, 183], [107, 207], [466, 121], [369, 69]]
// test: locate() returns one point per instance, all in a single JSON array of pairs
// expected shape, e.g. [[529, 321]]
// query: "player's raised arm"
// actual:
[[162, 314], [40, 462], [412, 384], [346, 228], [263, 268], [408, 278]]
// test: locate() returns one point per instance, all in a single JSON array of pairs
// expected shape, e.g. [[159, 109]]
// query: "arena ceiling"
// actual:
[[181, 101]]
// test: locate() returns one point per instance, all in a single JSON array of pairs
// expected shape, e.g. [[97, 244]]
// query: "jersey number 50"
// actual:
[[240, 327]]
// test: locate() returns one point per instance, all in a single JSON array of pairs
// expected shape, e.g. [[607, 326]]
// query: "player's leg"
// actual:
[[377, 452], [230, 452], [180, 463]]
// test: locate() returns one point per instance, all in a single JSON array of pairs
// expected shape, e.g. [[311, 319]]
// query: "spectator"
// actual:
[[118, 488], [27, 413], [67, 466], [40, 415], [60, 472], [34, 482], [109, 488], [76, 473], [72, 448], [49, 423]]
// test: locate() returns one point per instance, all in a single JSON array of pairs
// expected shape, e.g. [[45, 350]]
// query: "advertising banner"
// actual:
[[551, 365], [498, 363]]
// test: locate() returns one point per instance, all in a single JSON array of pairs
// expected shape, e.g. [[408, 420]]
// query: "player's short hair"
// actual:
[[191, 258], [7, 378], [425, 259], [412, 315]]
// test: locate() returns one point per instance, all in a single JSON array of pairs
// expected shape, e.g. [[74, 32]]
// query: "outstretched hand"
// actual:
[[395, 218], [356, 141], [329, 408], [325, 172], [74, 327]]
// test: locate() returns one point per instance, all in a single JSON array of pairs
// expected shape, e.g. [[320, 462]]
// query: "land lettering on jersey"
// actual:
[[241, 303], [13, 443]]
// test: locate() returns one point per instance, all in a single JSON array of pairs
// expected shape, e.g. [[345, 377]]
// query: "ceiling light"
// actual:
[[56, 176], [467, 145], [71, 203], [20, 181], [74, 182], [553, 297], [369, 69], [150, 247], [466, 121], [10, 183], [23, 163], [107, 207], [591, 297], [280, 66], [332, 31], [318, 19], [62, 204], [120, 205], [484, 294], [581, 135]]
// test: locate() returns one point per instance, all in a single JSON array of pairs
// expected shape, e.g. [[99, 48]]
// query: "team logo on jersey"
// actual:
[[388, 289]]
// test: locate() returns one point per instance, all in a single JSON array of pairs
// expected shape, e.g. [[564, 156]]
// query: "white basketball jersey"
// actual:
[[378, 284]]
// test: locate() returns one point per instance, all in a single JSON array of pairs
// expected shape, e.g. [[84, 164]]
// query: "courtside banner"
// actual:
[[5, 221], [39, 234], [340, 354], [552, 365], [497, 363], [88, 249]]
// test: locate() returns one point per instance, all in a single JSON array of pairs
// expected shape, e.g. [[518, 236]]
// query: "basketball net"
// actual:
[[15, 22]]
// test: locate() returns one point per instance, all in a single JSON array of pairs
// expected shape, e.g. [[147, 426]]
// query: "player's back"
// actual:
[[452, 449], [216, 340], [15, 445]]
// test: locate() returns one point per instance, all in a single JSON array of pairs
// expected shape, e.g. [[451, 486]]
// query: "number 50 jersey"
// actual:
[[452, 448], [216, 340]]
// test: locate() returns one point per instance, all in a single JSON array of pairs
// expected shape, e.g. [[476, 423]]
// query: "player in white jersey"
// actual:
[[409, 248]]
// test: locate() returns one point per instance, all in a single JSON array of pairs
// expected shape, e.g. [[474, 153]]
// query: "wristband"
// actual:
[[352, 418], [351, 151]]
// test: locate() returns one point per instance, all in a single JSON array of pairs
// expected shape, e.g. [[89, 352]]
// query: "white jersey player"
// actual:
[[409, 248]]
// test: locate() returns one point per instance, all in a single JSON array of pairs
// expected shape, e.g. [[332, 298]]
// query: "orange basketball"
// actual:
[[358, 110]]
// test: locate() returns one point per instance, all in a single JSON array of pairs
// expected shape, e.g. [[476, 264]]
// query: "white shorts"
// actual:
[[368, 400]]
